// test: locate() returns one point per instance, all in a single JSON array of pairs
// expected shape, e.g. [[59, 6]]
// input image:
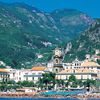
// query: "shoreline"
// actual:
[[35, 95]]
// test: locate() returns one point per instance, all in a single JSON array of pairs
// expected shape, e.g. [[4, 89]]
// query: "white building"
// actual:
[[87, 70], [27, 74], [50, 66], [18, 74], [35, 74], [4, 75]]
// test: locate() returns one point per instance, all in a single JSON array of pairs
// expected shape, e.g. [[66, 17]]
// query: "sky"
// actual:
[[90, 7]]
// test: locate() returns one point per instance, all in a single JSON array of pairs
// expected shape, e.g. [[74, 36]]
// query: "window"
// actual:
[[66, 77], [57, 61], [81, 76], [20, 78], [26, 78], [13, 74], [56, 70], [87, 76], [91, 67]]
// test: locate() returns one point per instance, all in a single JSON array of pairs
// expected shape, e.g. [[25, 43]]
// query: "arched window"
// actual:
[[57, 61]]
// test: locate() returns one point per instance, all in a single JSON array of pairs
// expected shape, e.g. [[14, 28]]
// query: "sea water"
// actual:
[[44, 99], [38, 99]]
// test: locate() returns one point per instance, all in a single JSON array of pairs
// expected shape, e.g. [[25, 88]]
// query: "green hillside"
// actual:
[[26, 32], [87, 43]]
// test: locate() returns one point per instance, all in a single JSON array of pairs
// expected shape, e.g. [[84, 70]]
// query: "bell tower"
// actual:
[[57, 60]]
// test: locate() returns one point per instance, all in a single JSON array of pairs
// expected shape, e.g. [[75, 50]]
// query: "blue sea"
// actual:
[[44, 99]]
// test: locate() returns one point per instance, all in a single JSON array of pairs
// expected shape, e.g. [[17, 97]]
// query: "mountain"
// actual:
[[28, 35], [87, 43]]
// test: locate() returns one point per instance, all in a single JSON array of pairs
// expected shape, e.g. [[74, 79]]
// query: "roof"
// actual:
[[38, 68], [66, 71], [2, 70], [98, 57], [76, 71], [89, 63]]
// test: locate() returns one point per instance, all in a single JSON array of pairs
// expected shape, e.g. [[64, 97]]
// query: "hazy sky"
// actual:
[[91, 7]]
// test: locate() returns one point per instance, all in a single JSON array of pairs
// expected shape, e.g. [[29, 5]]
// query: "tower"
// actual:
[[57, 60]]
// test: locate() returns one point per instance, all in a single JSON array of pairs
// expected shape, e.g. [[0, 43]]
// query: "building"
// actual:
[[4, 75], [50, 66], [36, 73], [87, 70], [26, 74], [95, 57], [18, 74], [57, 60], [93, 68]]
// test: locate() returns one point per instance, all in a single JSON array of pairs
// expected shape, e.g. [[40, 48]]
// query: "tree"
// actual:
[[11, 82], [81, 55], [2, 87], [26, 84], [66, 84], [88, 83], [60, 82], [47, 80], [1, 66], [72, 81], [72, 78], [40, 83], [98, 61], [79, 83]]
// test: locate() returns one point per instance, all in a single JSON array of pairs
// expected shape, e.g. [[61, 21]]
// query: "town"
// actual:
[[57, 75]]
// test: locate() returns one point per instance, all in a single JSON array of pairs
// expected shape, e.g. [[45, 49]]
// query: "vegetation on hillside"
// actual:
[[25, 31], [87, 43]]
